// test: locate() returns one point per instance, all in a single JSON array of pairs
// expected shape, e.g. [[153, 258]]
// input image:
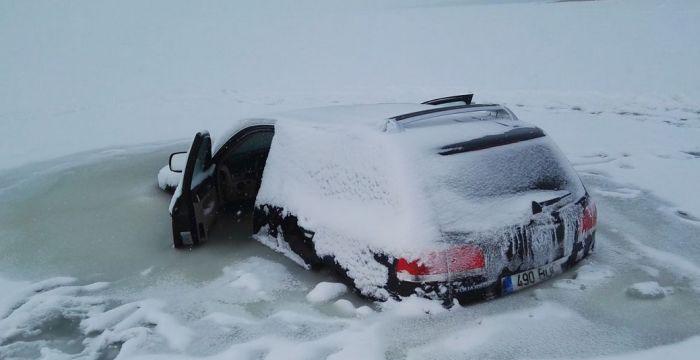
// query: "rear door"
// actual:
[[195, 209]]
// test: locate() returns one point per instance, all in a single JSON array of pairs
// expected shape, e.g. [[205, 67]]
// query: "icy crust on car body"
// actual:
[[504, 249], [278, 244]]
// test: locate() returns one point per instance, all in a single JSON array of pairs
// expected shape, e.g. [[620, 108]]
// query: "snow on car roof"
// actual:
[[351, 115], [370, 116]]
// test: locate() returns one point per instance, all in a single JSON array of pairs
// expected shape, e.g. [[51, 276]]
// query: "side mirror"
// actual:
[[178, 161]]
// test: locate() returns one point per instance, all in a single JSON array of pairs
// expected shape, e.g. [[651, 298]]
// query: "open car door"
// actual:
[[195, 206]]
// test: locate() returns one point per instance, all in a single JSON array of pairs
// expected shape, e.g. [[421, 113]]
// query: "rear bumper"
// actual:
[[465, 290], [477, 288]]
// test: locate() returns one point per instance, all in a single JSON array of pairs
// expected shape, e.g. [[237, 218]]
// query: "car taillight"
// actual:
[[435, 265], [465, 258], [589, 219]]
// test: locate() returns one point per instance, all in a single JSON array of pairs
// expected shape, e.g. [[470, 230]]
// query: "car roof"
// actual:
[[352, 115], [380, 117], [401, 113], [367, 115]]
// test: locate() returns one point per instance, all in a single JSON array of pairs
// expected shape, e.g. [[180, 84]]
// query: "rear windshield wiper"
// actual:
[[538, 206]]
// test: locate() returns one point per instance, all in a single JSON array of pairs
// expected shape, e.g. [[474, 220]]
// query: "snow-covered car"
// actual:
[[445, 199]]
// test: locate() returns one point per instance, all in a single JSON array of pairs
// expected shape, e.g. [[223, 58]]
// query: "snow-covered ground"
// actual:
[[86, 267]]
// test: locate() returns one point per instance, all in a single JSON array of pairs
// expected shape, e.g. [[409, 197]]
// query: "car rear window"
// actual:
[[525, 166]]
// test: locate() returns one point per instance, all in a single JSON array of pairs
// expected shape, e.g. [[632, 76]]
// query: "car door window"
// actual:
[[240, 167], [201, 169], [258, 141]]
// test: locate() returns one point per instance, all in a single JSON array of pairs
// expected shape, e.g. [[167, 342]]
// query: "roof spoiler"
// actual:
[[445, 110], [509, 137], [466, 98]]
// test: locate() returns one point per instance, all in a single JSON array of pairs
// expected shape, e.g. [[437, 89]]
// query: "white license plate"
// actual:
[[530, 277]]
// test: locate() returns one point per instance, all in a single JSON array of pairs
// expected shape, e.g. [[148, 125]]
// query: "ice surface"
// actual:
[[685, 350], [590, 274], [86, 75], [60, 89]]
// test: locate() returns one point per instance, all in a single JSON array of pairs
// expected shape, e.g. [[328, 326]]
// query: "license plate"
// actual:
[[530, 277]]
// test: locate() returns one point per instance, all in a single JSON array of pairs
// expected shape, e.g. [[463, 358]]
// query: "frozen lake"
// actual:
[[87, 270], [101, 223]]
